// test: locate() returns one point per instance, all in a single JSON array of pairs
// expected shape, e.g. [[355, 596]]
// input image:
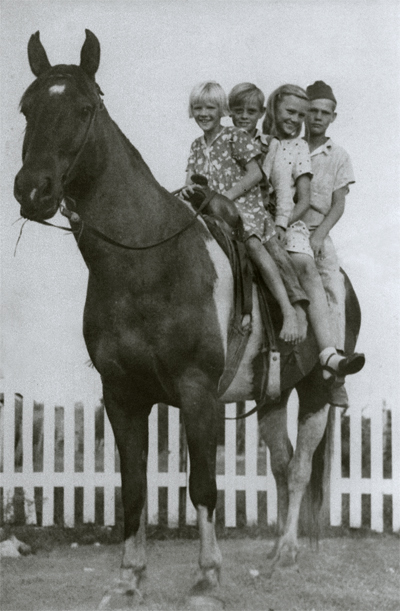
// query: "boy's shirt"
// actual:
[[332, 170]]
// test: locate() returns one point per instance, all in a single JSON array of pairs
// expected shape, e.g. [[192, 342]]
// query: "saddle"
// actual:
[[224, 223]]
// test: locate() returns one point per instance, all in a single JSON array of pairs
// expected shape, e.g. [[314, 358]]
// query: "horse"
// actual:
[[158, 307]]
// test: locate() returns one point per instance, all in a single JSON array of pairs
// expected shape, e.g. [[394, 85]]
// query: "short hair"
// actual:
[[269, 123], [209, 91], [244, 92]]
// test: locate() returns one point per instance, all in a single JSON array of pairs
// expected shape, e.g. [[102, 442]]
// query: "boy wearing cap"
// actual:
[[332, 175]]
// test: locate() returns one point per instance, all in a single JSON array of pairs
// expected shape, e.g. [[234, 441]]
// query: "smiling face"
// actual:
[[207, 115], [246, 115], [291, 112], [321, 114]]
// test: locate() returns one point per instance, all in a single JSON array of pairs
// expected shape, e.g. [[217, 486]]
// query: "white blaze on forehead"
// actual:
[[56, 89]]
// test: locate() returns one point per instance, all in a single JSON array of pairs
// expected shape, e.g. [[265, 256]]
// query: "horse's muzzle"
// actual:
[[36, 193]]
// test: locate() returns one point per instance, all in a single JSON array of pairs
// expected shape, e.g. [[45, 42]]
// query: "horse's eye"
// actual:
[[85, 113]]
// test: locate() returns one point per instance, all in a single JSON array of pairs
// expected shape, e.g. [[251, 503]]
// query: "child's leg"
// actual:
[[318, 311], [272, 279], [296, 294], [333, 283]]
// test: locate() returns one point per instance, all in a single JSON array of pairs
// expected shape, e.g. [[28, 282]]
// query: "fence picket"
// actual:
[[69, 465], [251, 452], [173, 467], [336, 473], [48, 463], [152, 468], [88, 464], [396, 469], [27, 459], [109, 473], [355, 467], [377, 470], [230, 466], [8, 445]]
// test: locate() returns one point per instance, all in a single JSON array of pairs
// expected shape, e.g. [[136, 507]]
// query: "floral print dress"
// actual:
[[223, 163]]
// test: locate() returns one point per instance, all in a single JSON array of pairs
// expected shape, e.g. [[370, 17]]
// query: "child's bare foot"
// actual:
[[290, 330], [301, 321]]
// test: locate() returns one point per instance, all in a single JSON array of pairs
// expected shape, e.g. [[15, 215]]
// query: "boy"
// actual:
[[246, 106], [332, 175]]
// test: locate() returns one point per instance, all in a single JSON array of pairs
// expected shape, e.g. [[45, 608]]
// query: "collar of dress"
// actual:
[[208, 146]]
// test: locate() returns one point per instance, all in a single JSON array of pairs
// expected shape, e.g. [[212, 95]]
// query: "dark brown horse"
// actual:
[[159, 303]]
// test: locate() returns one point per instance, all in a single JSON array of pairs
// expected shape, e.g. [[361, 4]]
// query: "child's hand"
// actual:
[[187, 192], [281, 234], [317, 244]]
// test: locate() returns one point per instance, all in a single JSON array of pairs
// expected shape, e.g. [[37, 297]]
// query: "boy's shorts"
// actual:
[[298, 239]]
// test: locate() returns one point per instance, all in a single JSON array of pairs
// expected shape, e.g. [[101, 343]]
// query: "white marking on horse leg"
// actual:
[[56, 89], [309, 435], [134, 557], [223, 288], [32, 195], [210, 559]]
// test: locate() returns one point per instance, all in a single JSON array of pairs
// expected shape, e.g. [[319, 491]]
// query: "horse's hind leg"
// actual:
[[129, 420], [199, 409], [273, 430], [310, 432]]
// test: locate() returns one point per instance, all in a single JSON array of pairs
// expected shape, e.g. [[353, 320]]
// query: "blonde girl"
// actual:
[[285, 113]]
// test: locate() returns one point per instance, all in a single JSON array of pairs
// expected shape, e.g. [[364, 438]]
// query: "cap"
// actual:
[[320, 90]]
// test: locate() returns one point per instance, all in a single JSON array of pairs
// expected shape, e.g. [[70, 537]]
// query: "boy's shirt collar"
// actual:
[[325, 148]]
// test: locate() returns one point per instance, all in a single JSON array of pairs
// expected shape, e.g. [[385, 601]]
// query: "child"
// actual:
[[286, 110], [246, 107], [332, 175], [227, 157]]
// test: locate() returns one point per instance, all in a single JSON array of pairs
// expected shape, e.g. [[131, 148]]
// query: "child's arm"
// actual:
[[251, 177], [279, 174], [303, 190], [334, 214]]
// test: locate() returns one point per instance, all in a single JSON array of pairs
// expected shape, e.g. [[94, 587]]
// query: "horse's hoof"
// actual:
[[198, 602], [122, 595]]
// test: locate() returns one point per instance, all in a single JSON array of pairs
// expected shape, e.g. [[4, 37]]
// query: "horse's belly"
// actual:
[[242, 386]]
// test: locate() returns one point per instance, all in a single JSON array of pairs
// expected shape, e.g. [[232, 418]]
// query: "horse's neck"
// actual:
[[123, 199]]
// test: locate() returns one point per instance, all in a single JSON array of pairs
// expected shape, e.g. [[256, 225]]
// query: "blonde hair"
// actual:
[[209, 91], [243, 92], [269, 123]]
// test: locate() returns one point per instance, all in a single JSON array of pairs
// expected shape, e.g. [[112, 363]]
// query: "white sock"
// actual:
[[334, 360]]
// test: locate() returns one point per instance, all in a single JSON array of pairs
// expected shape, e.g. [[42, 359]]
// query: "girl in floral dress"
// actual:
[[227, 157]]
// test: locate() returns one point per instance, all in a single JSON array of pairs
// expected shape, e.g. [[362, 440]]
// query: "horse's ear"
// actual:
[[90, 54], [37, 55]]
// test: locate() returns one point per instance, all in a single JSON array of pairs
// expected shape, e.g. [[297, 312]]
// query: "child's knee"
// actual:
[[306, 267]]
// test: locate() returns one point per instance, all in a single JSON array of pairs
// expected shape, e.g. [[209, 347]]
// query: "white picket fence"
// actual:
[[248, 471]]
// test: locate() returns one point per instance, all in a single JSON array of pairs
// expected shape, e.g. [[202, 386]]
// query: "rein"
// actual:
[[75, 218]]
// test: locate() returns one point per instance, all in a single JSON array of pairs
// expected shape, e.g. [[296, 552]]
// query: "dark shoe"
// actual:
[[351, 364]]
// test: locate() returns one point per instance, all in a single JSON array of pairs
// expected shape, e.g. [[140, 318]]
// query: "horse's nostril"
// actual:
[[46, 188]]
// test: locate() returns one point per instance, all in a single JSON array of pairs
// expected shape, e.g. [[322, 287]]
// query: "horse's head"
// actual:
[[60, 108]]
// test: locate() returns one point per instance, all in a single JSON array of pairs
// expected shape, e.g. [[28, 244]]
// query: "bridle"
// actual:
[[81, 225]]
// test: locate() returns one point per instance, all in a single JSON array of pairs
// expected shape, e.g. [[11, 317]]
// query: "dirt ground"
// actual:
[[346, 574]]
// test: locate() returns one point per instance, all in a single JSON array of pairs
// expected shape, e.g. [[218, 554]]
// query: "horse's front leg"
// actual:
[[129, 420], [199, 408], [310, 432], [273, 430]]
